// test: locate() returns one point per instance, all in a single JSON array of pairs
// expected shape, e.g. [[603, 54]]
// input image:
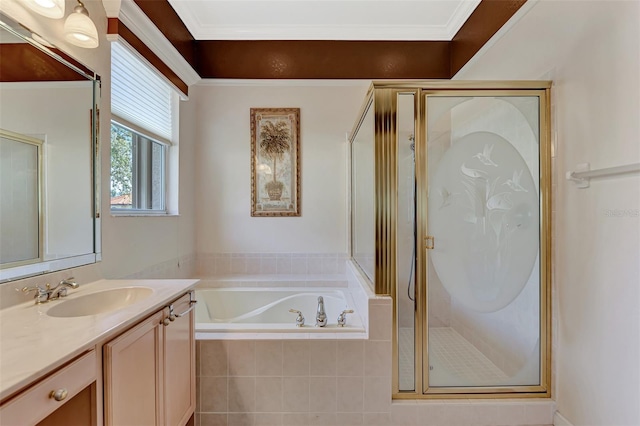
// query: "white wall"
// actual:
[[591, 51], [224, 223]]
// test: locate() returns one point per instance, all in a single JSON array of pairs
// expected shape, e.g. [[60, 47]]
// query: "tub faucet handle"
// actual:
[[342, 318], [299, 318], [321, 316]]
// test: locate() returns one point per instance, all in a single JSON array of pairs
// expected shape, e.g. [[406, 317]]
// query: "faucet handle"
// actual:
[[299, 318], [42, 294], [342, 318]]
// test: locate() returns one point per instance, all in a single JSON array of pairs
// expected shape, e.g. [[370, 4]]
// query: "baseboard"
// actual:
[[559, 420]]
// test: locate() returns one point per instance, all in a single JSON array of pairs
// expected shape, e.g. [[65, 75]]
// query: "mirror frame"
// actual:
[[47, 266]]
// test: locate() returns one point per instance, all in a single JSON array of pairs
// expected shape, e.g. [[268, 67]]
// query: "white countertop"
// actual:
[[33, 344]]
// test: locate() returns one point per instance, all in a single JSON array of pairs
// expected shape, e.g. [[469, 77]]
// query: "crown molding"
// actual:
[[460, 16], [137, 21], [322, 32]]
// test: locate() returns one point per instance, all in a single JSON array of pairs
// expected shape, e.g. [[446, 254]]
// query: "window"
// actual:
[[143, 108], [137, 171]]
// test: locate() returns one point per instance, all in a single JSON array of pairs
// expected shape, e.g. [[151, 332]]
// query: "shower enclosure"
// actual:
[[450, 216]]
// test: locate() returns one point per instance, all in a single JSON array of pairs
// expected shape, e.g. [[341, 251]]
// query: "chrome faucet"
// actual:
[[342, 318], [61, 289], [321, 316], [43, 295], [299, 318]]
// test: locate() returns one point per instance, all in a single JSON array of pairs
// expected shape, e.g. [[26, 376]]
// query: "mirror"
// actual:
[[49, 181]]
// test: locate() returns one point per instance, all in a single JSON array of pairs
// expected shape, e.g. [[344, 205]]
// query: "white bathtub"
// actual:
[[263, 313]]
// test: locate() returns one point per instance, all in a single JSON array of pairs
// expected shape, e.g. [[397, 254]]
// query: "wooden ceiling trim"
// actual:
[[484, 22], [321, 59], [153, 59], [170, 24]]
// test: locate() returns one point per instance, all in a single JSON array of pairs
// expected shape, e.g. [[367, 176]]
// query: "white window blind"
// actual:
[[138, 94]]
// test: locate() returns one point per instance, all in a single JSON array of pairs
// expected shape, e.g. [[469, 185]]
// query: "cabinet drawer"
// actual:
[[37, 402]]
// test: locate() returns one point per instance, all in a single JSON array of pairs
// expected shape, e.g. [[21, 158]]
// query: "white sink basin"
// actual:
[[99, 302]]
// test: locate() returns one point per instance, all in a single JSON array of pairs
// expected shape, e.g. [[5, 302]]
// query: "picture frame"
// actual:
[[275, 162]]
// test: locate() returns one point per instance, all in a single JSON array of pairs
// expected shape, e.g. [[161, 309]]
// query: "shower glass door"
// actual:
[[482, 251]]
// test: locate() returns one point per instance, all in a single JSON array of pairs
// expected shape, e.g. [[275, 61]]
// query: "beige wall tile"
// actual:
[[284, 266], [510, 413], [539, 414], [242, 357], [377, 358], [295, 394], [207, 419], [377, 419], [380, 322], [377, 394], [268, 394], [484, 413], [198, 393], [240, 419], [213, 394], [269, 358], [350, 394], [322, 419], [242, 394], [213, 358], [295, 419], [404, 414], [295, 354], [268, 419], [349, 358], [322, 395], [322, 357], [349, 419], [457, 414]]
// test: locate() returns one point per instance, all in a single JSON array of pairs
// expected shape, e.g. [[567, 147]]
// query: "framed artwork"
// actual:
[[275, 162]]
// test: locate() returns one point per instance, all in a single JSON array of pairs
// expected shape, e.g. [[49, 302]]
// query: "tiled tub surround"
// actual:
[[332, 381], [224, 264]]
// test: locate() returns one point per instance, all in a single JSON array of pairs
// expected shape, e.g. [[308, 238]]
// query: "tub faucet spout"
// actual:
[[321, 316]]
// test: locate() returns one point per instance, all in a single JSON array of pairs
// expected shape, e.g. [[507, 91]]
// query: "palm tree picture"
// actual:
[[275, 158], [275, 141]]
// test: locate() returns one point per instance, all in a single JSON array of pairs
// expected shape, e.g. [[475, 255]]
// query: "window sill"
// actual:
[[143, 214]]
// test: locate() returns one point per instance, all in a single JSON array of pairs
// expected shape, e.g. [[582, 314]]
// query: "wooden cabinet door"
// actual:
[[133, 375], [179, 361]]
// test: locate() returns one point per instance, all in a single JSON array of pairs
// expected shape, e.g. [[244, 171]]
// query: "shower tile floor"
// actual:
[[463, 363]]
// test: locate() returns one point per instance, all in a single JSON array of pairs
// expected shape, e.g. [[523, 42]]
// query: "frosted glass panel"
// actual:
[[483, 211], [363, 196], [406, 241]]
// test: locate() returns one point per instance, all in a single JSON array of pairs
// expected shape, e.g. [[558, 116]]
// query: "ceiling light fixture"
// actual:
[[79, 29], [49, 8]]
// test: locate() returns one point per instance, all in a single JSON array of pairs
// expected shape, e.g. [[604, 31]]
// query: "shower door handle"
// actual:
[[429, 242]]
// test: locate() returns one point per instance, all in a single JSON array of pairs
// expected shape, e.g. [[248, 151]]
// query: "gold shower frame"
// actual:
[[382, 96]]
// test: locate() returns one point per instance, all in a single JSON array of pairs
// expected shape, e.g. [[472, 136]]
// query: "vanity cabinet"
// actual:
[[69, 393], [149, 370]]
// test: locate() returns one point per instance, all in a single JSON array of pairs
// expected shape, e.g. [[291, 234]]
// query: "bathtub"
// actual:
[[263, 313]]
